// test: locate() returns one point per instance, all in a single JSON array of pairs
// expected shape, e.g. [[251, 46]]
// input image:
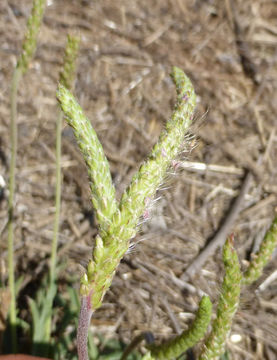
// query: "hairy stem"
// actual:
[[83, 327]]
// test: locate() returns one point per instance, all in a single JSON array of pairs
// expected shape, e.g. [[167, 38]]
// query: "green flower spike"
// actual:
[[67, 74], [118, 224], [102, 189], [30, 41], [175, 347], [228, 303], [28, 49], [151, 174], [263, 256]]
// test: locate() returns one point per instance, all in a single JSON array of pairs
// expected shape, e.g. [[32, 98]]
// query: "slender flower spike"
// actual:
[[28, 49], [30, 41], [263, 256], [102, 189], [175, 347], [228, 303], [67, 74]]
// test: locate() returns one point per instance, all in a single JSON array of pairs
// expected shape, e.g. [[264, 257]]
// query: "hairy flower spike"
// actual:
[[175, 347], [102, 189], [67, 74], [145, 183], [227, 306], [118, 224], [66, 77], [263, 256], [30, 41], [143, 187], [151, 174]]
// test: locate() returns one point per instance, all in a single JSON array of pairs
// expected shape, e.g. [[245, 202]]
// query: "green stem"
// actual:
[[13, 139], [53, 259], [67, 78], [181, 343], [28, 49]]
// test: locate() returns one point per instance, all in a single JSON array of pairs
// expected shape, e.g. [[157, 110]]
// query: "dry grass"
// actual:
[[123, 83]]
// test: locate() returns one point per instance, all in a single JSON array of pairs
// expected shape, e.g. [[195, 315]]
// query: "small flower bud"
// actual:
[[98, 249], [90, 270]]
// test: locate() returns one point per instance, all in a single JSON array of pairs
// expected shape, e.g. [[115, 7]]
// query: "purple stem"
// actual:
[[83, 328]]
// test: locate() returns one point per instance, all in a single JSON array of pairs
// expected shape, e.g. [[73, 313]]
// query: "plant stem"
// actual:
[[83, 327], [28, 49], [53, 259], [66, 77], [175, 347], [57, 199], [13, 139]]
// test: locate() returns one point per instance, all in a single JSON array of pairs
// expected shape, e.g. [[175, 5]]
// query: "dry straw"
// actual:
[[118, 221]]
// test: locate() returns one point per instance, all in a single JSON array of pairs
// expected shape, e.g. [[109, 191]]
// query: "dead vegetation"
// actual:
[[229, 50]]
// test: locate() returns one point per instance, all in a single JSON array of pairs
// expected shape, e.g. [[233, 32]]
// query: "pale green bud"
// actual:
[[98, 250], [90, 270]]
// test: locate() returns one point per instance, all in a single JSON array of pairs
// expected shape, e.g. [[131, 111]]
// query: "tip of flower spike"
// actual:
[[65, 98], [176, 71], [231, 240], [178, 77], [60, 92], [206, 301], [183, 85]]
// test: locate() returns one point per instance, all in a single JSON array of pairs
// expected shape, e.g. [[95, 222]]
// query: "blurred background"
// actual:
[[229, 51]]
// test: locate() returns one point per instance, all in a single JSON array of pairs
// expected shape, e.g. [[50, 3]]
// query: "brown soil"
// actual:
[[123, 83]]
